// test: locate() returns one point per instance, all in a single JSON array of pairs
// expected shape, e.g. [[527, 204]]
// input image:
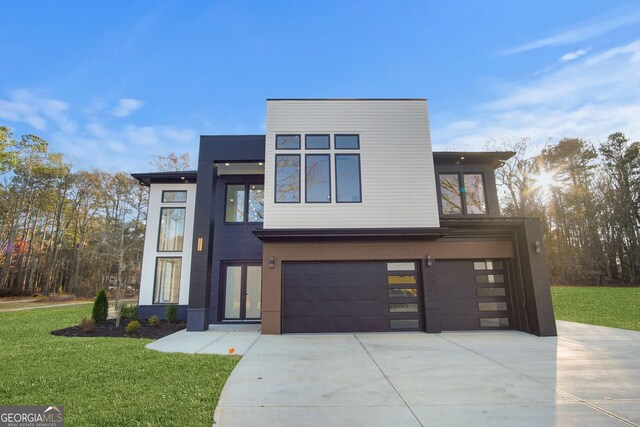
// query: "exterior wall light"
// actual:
[[272, 262], [429, 261], [537, 247]]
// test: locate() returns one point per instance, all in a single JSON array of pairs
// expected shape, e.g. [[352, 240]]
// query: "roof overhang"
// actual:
[[493, 158], [239, 168], [174, 177]]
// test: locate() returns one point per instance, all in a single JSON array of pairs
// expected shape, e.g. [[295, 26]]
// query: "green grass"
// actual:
[[104, 381], [605, 306]]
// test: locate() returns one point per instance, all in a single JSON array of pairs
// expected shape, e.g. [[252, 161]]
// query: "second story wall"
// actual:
[[322, 143]]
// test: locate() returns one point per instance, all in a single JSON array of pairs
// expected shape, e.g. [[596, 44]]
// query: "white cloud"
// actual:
[[574, 55], [24, 106], [98, 140], [580, 33], [127, 106], [588, 99]]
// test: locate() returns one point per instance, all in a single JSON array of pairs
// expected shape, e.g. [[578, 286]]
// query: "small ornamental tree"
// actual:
[[100, 308], [171, 313]]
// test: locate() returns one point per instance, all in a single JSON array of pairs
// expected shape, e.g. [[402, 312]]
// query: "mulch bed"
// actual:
[[108, 329]]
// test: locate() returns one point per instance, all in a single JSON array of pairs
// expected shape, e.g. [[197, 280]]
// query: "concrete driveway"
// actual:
[[588, 376]]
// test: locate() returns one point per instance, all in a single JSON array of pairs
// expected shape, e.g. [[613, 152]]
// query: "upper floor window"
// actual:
[[287, 178], [348, 187], [318, 178], [462, 194], [242, 205], [171, 235], [287, 142], [171, 196], [316, 142], [315, 158], [347, 142]]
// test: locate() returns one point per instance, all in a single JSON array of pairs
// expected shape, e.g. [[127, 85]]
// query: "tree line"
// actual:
[[65, 230], [78, 231], [588, 198]]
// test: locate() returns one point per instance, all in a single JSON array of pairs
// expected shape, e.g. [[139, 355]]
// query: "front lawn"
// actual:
[[605, 306], [104, 381]]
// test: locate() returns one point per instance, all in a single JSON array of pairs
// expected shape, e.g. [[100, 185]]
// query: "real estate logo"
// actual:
[[31, 416]]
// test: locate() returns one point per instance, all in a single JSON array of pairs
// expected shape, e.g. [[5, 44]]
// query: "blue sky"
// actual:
[[112, 83]]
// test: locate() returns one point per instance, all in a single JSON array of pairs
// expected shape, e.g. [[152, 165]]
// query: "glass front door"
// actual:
[[242, 291]]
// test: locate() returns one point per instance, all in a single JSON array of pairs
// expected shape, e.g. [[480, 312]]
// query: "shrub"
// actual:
[[100, 308], [154, 321], [129, 312], [132, 326], [171, 313], [87, 325]]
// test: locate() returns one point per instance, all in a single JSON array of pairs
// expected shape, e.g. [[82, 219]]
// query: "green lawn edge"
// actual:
[[615, 307], [104, 381]]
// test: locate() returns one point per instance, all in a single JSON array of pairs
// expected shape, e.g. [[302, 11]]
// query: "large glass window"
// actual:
[[450, 194], [317, 178], [256, 203], [167, 286], [462, 194], [287, 142], [170, 196], [316, 142], [287, 178], [235, 203], [348, 178], [171, 235], [474, 194], [347, 142]]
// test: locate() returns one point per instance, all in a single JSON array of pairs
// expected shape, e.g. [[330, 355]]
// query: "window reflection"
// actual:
[[474, 194], [450, 194], [287, 178], [317, 178]]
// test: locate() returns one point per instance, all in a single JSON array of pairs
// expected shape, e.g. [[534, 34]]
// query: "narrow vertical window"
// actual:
[[171, 234], [256, 203], [235, 203], [287, 178], [348, 178], [167, 285], [474, 194], [450, 194], [317, 178]]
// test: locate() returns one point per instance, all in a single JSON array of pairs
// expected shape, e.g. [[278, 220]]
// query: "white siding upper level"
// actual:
[[397, 174]]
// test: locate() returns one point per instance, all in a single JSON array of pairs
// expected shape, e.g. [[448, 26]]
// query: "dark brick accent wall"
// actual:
[[231, 242], [240, 148]]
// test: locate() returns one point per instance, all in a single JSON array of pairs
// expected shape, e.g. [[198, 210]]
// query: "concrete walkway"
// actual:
[[588, 376], [219, 339]]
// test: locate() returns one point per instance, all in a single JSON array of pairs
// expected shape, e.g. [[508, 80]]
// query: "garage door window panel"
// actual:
[[490, 292], [403, 293], [410, 307], [492, 306], [494, 322], [489, 278], [402, 279]]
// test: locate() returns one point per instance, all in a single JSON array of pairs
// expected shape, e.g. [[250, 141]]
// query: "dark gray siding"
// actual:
[[241, 148]]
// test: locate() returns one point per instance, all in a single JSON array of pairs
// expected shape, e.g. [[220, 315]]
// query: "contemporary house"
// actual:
[[341, 218]]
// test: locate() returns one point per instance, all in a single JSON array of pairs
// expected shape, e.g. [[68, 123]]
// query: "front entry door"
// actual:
[[242, 291]]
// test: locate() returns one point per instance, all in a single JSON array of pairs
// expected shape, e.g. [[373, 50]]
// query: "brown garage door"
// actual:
[[473, 294], [351, 297]]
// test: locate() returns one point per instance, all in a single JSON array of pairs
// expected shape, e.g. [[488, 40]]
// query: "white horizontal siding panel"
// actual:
[[398, 182]]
